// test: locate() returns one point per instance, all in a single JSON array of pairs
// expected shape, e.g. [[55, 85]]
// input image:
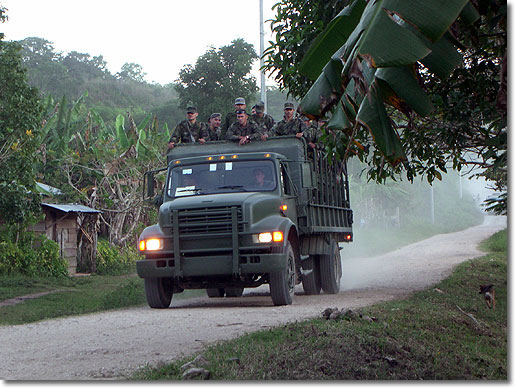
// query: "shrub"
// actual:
[[21, 258], [113, 260]]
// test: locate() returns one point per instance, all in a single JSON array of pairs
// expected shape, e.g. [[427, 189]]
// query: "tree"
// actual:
[[369, 70], [217, 78], [20, 117], [131, 72]]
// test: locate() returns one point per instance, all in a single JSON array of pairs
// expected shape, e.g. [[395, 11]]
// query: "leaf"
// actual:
[[331, 39], [432, 18], [403, 83], [378, 30], [325, 92], [372, 115], [444, 58], [140, 147], [120, 132]]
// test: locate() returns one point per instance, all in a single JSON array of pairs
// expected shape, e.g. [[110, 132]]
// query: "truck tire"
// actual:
[[311, 283], [233, 292], [159, 292], [330, 270], [282, 283], [215, 292]]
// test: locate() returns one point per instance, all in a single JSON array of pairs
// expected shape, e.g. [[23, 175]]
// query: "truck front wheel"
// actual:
[[330, 270], [159, 292], [282, 283]]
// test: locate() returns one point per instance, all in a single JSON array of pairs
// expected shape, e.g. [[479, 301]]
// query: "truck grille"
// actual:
[[208, 220]]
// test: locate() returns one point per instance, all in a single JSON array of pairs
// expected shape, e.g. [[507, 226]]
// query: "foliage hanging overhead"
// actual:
[[402, 84]]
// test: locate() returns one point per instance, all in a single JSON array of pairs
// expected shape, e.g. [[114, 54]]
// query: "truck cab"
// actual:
[[234, 217]]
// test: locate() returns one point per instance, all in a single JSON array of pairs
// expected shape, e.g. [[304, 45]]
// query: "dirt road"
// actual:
[[113, 344]]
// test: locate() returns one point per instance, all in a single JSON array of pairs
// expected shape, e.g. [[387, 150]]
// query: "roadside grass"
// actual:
[[73, 296], [443, 333]]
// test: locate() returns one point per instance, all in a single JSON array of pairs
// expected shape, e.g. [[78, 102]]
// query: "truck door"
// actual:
[[288, 193]]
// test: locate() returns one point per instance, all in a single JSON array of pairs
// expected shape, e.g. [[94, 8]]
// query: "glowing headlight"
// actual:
[[268, 237], [152, 244], [265, 237]]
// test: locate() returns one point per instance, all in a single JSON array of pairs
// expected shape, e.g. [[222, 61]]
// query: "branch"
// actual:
[[470, 316]]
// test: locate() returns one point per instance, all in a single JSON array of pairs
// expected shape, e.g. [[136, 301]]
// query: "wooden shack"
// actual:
[[73, 227]]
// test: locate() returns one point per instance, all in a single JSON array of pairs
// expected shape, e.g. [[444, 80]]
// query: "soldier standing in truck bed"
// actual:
[[290, 125], [190, 130], [264, 121], [244, 130], [230, 119], [214, 130]]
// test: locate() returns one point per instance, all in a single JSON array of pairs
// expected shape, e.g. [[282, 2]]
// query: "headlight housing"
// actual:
[[268, 237], [151, 244]]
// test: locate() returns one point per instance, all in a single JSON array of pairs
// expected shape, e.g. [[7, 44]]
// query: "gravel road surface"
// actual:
[[113, 344]]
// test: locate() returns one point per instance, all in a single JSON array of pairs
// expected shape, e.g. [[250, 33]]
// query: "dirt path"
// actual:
[[113, 344]]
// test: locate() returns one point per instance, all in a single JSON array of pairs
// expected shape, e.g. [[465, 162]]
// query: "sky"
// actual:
[[161, 36]]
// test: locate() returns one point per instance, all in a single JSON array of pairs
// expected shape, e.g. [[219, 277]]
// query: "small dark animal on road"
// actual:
[[489, 294]]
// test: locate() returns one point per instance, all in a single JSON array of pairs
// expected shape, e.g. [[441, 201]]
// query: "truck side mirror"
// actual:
[[308, 179], [149, 182]]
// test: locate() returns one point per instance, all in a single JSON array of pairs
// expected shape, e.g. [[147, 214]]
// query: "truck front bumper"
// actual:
[[210, 265]]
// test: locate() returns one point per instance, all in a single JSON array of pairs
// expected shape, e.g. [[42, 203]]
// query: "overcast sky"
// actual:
[[161, 36]]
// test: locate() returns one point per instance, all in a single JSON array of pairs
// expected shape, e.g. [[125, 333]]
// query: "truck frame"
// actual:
[[219, 230]]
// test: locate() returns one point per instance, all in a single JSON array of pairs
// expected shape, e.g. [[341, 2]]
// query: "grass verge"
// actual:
[[71, 296], [444, 333]]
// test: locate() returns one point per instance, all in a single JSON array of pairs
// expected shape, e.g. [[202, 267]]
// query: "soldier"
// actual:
[[239, 104], [292, 126], [214, 122], [264, 121], [190, 130], [314, 132], [243, 130]]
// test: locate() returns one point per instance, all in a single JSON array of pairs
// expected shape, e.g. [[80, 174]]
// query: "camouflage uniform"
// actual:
[[214, 135], [187, 133], [265, 123], [292, 127], [230, 119], [237, 130]]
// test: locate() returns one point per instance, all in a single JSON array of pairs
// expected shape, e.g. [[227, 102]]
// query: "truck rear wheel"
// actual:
[[234, 292], [159, 292], [282, 283], [330, 270], [311, 282], [215, 292]]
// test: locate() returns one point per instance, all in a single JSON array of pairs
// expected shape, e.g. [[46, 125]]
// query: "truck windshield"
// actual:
[[222, 177]]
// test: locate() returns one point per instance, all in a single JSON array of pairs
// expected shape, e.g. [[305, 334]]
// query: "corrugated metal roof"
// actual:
[[48, 190], [71, 207]]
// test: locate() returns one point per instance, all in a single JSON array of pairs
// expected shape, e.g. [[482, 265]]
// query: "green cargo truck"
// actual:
[[233, 217]]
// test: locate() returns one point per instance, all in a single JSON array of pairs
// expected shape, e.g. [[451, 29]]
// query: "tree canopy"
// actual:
[[20, 118], [379, 72], [217, 78]]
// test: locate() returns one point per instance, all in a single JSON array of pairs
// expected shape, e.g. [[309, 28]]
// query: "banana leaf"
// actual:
[[331, 39], [120, 132]]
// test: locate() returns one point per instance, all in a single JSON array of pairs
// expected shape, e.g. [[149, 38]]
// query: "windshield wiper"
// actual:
[[193, 190], [233, 187]]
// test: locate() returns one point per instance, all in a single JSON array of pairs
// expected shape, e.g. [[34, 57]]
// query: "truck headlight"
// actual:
[[152, 244], [268, 237]]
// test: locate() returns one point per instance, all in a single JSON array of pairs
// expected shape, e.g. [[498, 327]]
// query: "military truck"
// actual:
[[233, 217]]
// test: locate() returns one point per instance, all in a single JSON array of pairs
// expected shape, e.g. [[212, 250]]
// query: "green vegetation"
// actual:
[[443, 333], [217, 78], [112, 260], [70, 296], [31, 256], [408, 87]]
